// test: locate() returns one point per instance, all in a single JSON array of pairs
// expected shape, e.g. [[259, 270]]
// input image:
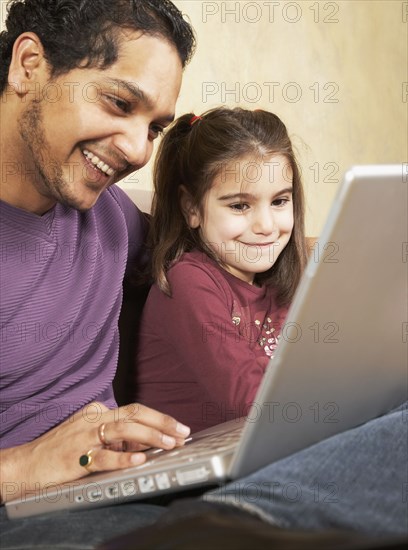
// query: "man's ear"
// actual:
[[191, 214], [27, 63]]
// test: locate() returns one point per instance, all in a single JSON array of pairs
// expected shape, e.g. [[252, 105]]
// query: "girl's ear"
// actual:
[[190, 212]]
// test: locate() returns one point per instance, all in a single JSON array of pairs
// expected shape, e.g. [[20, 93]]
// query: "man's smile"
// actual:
[[99, 163]]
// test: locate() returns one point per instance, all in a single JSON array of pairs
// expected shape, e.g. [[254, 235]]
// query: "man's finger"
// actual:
[[105, 459]]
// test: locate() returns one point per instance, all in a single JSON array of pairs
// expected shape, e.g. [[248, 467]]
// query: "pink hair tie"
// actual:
[[195, 118]]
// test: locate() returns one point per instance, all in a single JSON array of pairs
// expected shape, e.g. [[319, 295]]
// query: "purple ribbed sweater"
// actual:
[[61, 291]]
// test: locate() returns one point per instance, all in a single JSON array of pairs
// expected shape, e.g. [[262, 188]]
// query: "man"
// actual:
[[86, 87]]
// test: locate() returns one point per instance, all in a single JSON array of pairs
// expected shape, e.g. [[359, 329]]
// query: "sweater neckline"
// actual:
[[257, 290], [28, 221]]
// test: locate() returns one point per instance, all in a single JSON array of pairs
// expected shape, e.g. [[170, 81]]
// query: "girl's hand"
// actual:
[[106, 439]]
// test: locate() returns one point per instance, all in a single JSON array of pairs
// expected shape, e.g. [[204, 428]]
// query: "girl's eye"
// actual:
[[239, 206], [280, 202]]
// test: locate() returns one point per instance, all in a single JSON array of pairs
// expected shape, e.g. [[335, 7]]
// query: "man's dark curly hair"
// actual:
[[76, 31]]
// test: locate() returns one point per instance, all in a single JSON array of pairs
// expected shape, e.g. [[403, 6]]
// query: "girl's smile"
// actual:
[[247, 222]]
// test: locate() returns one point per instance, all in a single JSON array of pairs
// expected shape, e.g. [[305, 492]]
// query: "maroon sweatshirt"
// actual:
[[203, 351]]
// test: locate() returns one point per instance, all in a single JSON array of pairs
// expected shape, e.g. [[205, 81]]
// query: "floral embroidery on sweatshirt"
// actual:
[[260, 331]]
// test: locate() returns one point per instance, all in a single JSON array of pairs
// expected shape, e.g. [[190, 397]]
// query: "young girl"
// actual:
[[228, 252]]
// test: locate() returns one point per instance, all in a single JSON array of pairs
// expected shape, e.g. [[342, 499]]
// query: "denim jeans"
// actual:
[[357, 480], [82, 530]]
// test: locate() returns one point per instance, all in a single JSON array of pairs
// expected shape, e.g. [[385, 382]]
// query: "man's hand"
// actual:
[[106, 439]]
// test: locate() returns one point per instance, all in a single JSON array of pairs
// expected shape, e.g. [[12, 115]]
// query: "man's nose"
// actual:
[[134, 144]]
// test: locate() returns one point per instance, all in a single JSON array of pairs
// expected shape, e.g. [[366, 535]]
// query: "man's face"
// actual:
[[89, 128]]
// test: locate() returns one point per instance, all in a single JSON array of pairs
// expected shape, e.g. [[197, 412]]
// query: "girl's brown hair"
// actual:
[[192, 155]]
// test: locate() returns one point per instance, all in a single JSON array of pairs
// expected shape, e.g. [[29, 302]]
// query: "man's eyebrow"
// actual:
[[137, 93], [249, 196]]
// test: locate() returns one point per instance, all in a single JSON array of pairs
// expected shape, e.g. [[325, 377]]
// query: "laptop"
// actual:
[[342, 359]]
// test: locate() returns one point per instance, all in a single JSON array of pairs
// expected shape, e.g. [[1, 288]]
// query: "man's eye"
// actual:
[[239, 206], [120, 104], [156, 130]]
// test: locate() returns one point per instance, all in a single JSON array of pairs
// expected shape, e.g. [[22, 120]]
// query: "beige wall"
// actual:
[[333, 71]]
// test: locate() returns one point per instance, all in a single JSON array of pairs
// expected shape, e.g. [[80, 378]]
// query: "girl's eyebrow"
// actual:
[[236, 196], [284, 191], [249, 196]]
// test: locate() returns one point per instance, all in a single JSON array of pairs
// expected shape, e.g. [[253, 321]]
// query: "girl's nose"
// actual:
[[264, 222]]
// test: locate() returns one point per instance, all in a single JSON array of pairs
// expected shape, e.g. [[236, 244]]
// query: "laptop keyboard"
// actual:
[[212, 443]]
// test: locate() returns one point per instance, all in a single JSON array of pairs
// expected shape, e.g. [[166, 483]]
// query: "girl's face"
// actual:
[[247, 215]]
